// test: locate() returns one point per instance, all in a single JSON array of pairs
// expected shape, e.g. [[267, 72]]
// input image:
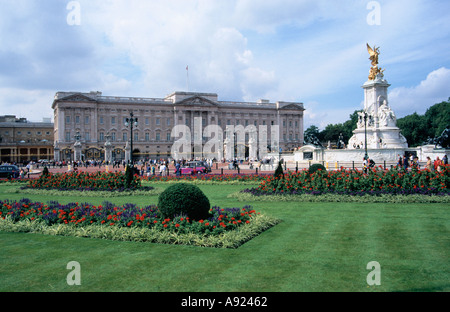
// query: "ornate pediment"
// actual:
[[197, 101], [77, 97], [293, 106]]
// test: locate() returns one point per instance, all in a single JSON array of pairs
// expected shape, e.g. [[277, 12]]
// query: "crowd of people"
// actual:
[[437, 163], [405, 162], [413, 162], [161, 166]]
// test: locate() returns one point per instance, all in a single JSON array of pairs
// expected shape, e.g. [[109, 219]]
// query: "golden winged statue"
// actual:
[[373, 54], [374, 70]]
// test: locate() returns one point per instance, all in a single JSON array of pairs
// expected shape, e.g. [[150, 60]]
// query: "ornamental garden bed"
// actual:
[[226, 228], [96, 181], [354, 185], [107, 184], [177, 223]]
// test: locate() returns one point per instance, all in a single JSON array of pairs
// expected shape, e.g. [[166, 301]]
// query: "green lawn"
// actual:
[[317, 247]]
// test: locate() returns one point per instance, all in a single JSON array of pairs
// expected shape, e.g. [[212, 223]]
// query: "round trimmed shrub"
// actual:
[[314, 167], [184, 199]]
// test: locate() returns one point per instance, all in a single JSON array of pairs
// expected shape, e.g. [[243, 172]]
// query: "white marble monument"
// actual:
[[376, 127], [377, 124]]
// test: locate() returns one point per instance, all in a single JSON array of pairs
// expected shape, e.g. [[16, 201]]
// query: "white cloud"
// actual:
[[31, 104], [287, 50], [434, 89]]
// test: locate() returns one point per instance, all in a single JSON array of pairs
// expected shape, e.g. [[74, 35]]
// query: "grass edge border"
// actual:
[[387, 198]]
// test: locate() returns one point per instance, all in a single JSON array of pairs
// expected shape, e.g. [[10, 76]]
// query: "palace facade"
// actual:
[[93, 120], [22, 141]]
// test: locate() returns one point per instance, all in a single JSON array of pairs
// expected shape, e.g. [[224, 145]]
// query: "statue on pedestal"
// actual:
[[374, 70], [386, 116]]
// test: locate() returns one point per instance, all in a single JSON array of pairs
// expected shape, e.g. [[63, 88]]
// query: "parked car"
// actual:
[[9, 171], [193, 167]]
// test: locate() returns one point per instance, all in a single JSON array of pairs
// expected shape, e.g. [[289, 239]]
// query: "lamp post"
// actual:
[[77, 147], [131, 122], [366, 156]]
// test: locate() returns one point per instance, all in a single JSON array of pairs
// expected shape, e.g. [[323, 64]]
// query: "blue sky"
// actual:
[[244, 50]]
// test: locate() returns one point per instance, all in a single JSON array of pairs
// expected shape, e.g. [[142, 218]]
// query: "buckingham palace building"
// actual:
[[88, 125]]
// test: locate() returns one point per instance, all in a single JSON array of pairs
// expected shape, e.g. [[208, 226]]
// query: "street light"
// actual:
[[365, 135], [77, 136], [132, 122]]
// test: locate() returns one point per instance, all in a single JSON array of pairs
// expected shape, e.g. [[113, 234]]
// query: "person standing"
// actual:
[[399, 162], [405, 162], [177, 169], [429, 165], [437, 164], [162, 169]]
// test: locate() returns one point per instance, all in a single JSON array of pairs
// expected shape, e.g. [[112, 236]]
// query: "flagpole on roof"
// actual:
[[187, 77]]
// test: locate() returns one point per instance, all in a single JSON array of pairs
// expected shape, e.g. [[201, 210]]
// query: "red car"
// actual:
[[193, 167]]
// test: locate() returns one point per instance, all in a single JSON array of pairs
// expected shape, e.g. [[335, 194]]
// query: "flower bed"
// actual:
[[128, 215], [97, 181], [227, 227], [354, 182]]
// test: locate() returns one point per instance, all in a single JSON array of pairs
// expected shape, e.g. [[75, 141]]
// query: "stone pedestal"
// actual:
[[108, 152], [77, 153]]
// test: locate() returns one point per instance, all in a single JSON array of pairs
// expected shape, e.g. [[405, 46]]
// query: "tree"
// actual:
[[438, 118], [331, 132], [418, 128], [312, 130], [414, 128]]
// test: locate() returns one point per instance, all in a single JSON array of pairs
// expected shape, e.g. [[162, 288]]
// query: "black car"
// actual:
[[9, 171]]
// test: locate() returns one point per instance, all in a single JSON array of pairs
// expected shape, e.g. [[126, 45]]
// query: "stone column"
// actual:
[[253, 147], [108, 150], [77, 148], [127, 152], [56, 154]]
